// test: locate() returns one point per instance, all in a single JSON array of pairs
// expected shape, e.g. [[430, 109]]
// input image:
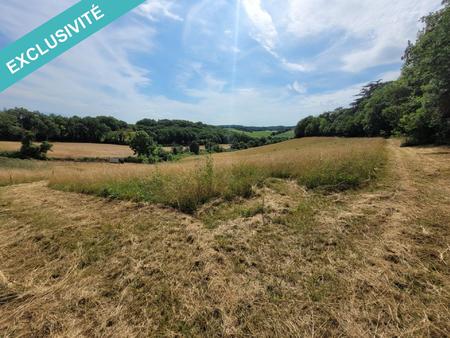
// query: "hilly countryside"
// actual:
[[336, 227]]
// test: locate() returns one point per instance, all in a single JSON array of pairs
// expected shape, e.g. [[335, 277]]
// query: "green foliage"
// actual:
[[105, 129], [45, 147], [142, 144], [257, 142], [416, 106], [30, 150], [9, 128], [169, 132], [427, 71], [147, 150], [194, 148], [17, 121]]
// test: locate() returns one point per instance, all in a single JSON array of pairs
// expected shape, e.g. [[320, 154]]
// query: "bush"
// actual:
[[142, 144], [194, 148], [29, 150]]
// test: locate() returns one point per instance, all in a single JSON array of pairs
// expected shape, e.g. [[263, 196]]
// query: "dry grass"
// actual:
[[69, 150], [15, 171], [286, 262], [66, 150], [332, 164]]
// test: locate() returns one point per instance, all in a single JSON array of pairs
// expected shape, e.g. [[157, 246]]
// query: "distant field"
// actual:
[[288, 134], [68, 150], [264, 133], [77, 150], [256, 134]]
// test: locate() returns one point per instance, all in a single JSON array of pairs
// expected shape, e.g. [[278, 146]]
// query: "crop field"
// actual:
[[325, 237], [66, 150]]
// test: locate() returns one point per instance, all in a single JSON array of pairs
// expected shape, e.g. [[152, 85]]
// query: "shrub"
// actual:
[[194, 148], [142, 144], [30, 150]]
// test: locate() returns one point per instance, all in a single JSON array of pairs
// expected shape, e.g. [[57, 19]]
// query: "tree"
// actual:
[[300, 129], [416, 106], [426, 71], [194, 148], [383, 110], [142, 144], [29, 150], [9, 128]]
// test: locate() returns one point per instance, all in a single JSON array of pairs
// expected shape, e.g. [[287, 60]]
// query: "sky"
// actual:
[[250, 62]]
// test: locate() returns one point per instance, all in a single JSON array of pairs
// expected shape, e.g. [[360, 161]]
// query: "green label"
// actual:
[[53, 38]]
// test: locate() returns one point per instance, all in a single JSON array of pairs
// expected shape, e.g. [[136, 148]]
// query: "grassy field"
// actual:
[[77, 150], [70, 150], [287, 134], [332, 164], [326, 163], [298, 254], [15, 171]]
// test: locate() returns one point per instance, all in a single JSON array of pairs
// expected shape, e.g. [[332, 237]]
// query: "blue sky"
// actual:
[[252, 62]]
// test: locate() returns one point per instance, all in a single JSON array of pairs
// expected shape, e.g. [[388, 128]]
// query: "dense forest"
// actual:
[[15, 123], [416, 106]]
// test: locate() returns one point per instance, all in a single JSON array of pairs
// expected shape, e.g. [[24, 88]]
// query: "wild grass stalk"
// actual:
[[331, 164]]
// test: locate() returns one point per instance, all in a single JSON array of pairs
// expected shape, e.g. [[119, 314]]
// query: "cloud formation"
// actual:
[[256, 62]]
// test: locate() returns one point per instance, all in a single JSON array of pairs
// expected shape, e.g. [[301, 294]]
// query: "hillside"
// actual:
[[282, 261]]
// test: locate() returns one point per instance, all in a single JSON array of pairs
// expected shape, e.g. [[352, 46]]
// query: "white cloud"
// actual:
[[156, 8], [205, 83], [375, 31], [98, 67], [212, 105], [263, 30], [298, 67], [297, 88], [18, 19]]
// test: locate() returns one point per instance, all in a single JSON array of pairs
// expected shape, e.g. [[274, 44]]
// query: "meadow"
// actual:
[[329, 164], [313, 237], [67, 150]]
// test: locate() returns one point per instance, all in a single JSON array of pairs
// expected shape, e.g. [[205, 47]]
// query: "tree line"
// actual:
[[147, 137], [416, 106], [17, 122]]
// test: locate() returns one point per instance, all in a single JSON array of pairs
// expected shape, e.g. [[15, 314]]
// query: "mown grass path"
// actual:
[[373, 262]]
